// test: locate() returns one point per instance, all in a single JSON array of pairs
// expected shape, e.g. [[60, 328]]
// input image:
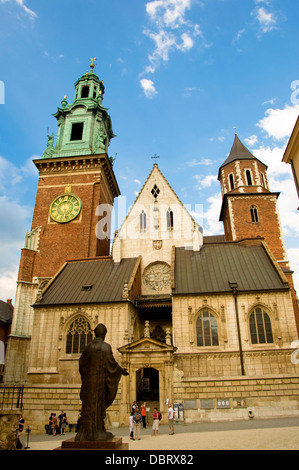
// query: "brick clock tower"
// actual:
[[249, 208], [76, 188]]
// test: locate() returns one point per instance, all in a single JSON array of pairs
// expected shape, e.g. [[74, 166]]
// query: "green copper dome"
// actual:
[[84, 126]]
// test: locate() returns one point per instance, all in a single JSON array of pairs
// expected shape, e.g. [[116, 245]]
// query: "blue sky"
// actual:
[[179, 76]]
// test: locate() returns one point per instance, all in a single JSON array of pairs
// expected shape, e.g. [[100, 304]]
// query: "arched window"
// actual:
[[78, 336], [143, 222], [260, 327], [254, 214], [85, 92], [248, 177], [231, 181], [169, 219], [207, 330]]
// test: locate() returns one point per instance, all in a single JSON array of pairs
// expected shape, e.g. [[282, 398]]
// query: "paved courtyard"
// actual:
[[270, 434]]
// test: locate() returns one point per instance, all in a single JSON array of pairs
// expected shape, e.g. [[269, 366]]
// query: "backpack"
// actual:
[[137, 417], [160, 416]]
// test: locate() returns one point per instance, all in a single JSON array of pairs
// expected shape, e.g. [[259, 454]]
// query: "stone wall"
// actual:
[[232, 398], [39, 401], [9, 421], [204, 399]]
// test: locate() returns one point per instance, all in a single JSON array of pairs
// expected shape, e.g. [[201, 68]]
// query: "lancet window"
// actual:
[[78, 336], [207, 330], [260, 327]]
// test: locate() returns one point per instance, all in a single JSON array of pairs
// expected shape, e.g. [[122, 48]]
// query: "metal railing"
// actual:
[[11, 397]]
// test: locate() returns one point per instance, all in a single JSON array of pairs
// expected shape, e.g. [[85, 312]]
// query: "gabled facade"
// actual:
[[157, 222]]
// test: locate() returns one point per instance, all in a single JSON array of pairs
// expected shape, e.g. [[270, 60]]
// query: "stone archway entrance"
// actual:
[[147, 384], [150, 366]]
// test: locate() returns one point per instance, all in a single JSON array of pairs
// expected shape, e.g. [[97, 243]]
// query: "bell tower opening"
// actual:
[[85, 92], [147, 384], [77, 131]]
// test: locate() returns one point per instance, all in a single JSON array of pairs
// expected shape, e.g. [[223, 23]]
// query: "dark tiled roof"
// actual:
[[82, 282], [238, 152], [213, 239], [6, 312], [212, 268]]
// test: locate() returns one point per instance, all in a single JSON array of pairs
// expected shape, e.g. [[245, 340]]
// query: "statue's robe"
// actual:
[[100, 375]]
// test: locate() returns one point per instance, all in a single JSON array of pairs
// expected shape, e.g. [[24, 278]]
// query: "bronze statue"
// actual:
[[100, 375]]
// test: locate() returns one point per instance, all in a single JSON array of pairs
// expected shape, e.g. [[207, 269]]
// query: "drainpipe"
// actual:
[[234, 288]]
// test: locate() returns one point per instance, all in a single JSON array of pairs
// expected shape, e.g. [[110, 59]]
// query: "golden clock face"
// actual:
[[65, 208]]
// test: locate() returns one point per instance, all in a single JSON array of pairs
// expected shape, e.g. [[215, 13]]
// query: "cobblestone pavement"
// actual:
[[268, 434]]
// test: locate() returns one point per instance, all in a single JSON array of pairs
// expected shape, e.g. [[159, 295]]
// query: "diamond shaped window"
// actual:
[[155, 191]]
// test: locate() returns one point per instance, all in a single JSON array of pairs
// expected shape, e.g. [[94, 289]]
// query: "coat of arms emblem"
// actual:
[[157, 244]]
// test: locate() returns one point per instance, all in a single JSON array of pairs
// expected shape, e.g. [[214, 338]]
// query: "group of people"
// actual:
[[137, 418], [57, 424]]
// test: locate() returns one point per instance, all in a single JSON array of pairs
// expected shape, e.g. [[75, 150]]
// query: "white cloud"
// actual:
[[279, 123], [238, 35], [170, 13], [10, 175], [203, 161], [170, 30], [148, 87], [211, 224], [15, 220], [205, 181], [252, 140], [8, 284], [272, 157], [164, 43], [187, 44], [267, 19], [287, 203], [21, 3], [265, 15], [31, 13], [272, 101]]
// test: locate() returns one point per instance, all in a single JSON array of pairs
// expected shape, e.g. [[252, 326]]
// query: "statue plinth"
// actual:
[[114, 444]]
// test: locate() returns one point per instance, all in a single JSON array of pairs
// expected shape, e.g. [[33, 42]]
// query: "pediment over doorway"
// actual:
[[146, 345]]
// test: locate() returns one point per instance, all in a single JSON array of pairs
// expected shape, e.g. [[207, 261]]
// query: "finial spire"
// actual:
[[92, 65], [155, 157], [235, 130]]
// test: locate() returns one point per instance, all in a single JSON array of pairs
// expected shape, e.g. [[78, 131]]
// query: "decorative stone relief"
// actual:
[[158, 277]]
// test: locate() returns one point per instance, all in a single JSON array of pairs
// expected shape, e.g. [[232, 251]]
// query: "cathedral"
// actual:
[[205, 322]]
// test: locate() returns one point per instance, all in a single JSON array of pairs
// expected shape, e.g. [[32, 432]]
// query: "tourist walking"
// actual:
[[131, 426], [134, 406], [171, 418], [136, 424]]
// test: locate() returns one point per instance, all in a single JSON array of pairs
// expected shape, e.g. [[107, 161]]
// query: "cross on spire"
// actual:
[[155, 157]]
